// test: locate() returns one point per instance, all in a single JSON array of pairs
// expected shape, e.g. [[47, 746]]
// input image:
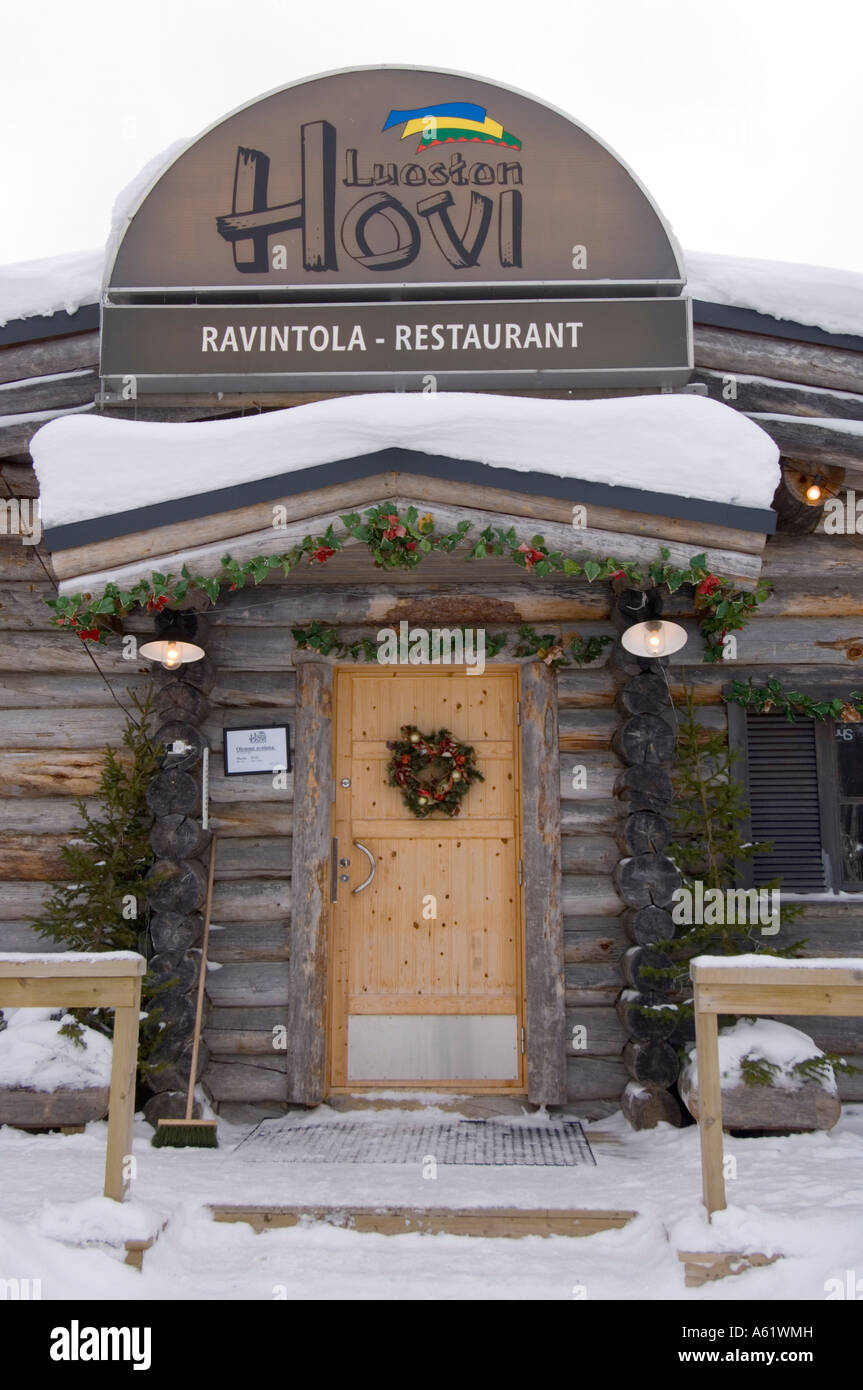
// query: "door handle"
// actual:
[[373, 866]]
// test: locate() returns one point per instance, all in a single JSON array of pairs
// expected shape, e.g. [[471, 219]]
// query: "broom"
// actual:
[[188, 1133]]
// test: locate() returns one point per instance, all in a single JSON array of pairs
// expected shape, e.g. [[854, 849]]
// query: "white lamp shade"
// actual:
[[654, 639], [171, 653]]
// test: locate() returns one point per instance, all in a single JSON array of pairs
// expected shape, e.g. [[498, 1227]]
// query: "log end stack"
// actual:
[[177, 885], [645, 878]]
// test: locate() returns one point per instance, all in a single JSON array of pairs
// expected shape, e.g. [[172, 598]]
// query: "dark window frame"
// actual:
[[829, 797]]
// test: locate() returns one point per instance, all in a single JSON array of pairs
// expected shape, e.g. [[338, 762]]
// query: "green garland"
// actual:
[[398, 541], [773, 698], [432, 771], [548, 647]]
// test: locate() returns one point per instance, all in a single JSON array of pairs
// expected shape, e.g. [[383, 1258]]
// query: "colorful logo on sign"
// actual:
[[451, 121]]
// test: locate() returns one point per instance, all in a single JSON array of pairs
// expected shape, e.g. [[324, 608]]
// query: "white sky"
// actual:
[[744, 118]]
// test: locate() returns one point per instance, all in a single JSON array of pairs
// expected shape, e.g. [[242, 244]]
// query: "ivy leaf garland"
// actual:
[[400, 541], [433, 771], [772, 697]]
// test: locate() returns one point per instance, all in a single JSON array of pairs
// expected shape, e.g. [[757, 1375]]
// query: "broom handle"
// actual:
[[202, 980]]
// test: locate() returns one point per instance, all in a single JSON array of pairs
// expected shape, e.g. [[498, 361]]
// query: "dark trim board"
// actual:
[[751, 321], [103, 528], [56, 325]]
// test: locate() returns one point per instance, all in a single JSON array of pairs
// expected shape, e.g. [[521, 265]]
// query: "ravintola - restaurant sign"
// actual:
[[372, 228]]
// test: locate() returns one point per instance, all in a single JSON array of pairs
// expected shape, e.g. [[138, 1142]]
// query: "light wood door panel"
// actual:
[[438, 931]]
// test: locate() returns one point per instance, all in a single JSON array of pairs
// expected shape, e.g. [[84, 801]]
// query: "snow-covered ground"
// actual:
[[799, 1196]]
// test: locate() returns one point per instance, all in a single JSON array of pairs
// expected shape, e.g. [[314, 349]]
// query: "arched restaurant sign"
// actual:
[[373, 227]]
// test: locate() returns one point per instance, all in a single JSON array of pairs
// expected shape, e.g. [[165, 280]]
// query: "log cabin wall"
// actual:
[[56, 714]]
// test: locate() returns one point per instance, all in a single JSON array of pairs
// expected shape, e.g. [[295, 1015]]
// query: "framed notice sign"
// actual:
[[266, 748]]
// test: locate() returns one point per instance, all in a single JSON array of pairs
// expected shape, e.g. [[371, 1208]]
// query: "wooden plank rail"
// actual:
[[753, 985], [460, 1221], [74, 979]]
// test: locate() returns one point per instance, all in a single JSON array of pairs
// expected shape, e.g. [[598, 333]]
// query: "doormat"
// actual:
[[480, 1143]]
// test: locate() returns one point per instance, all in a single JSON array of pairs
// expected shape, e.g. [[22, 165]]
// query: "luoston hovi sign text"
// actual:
[[375, 184], [382, 346]]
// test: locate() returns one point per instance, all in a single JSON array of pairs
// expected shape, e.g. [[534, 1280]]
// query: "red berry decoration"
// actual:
[[432, 771]]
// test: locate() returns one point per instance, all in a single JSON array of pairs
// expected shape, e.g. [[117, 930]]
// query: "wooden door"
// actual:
[[426, 962]]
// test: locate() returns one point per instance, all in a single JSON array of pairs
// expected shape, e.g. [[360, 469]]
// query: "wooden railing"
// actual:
[[756, 985], [110, 981]]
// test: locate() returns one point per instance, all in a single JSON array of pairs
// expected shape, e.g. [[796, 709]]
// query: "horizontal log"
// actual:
[[760, 394], [585, 817], [594, 940], [592, 984], [603, 1034], [594, 1078], [55, 774], [245, 690], [20, 900], [587, 688], [19, 479], [21, 563], [40, 816], [250, 943], [268, 857], [247, 820], [49, 356], [47, 691], [248, 1019], [33, 857], [242, 1080], [61, 651], [813, 441], [58, 392], [243, 789], [589, 895], [588, 854], [248, 985], [22, 608], [586, 728], [61, 728], [588, 776], [21, 936], [233, 1042], [251, 900], [759, 355]]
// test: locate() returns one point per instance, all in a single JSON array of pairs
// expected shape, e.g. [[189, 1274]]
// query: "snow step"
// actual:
[[703, 1266], [459, 1221]]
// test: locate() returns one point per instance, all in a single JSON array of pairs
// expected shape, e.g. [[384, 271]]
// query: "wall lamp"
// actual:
[[654, 638], [174, 643]]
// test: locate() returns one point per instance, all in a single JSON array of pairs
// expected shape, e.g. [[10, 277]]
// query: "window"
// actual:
[[804, 786], [848, 754]]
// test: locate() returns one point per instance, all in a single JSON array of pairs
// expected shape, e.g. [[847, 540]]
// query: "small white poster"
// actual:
[[264, 749]]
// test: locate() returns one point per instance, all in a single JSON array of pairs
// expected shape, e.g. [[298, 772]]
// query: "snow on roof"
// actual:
[[820, 296], [50, 285], [91, 466]]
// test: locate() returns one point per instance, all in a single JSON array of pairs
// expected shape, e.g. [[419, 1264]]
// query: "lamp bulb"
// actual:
[[813, 492], [655, 638], [172, 657]]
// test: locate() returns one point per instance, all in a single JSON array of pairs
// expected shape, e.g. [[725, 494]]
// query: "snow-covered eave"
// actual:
[[668, 454]]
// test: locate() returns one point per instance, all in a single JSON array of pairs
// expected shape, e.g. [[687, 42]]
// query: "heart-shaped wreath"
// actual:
[[433, 772]]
